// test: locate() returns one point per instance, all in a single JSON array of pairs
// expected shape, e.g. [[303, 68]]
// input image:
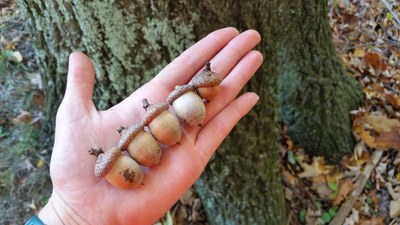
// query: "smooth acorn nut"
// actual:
[[188, 106], [207, 83], [162, 124], [119, 170], [140, 145]]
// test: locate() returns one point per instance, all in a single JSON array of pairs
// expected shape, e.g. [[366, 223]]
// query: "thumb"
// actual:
[[80, 80]]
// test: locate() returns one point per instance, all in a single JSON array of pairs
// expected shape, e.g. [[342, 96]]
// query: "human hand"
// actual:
[[81, 198]]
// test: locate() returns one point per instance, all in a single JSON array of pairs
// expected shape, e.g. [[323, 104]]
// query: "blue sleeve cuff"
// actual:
[[34, 220]]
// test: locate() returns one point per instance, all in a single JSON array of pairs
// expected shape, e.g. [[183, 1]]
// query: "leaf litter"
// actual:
[[363, 188], [24, 177]]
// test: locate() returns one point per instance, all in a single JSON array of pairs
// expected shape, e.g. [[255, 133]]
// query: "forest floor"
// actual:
[[24, 182], [364, 188]]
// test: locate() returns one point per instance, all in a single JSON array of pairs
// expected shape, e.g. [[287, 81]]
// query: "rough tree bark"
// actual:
[[130, 41], [316, 96]]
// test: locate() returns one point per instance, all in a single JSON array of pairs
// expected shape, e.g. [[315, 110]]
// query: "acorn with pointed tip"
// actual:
[[207, 83], [140, 145], [162, 124], [119, 170], [188, 105]]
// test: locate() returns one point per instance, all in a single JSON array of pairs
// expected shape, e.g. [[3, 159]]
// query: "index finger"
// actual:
[[181, 70]]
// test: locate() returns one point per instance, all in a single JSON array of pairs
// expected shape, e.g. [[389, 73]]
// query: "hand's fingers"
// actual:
[[181, 70], [233, 83], [238, 47], [80, 81], [212, 134]]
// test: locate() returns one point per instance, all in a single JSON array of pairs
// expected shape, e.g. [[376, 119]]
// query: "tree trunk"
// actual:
[[315, 94], [130, 42]]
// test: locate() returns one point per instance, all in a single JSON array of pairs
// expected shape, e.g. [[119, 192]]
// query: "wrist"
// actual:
[[48, 214], [56, 211]]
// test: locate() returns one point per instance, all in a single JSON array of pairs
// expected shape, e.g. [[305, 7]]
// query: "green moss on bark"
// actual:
[[315, 93], [120, 38]]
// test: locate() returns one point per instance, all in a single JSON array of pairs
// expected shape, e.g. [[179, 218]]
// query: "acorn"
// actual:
[[188, 105], [119, 170], [140, 145], [207, 83], [162, 124]]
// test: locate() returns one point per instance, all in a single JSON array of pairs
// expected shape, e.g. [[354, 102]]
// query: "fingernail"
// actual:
[[258, 97]]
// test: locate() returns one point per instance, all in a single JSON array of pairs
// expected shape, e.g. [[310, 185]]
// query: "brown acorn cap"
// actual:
[[152, 111], [206, 78], [178, 92], [105, 160], [128, 134]]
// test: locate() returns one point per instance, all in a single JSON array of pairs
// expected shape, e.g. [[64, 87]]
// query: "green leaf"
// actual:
[[13, 56], [302, 216], [369, 185], [369, 200], [291, 157], [332, 212], [332, 195], [389, 16], [168, 219], [316, 206], [333, 186], [4, 133], [326, 217]]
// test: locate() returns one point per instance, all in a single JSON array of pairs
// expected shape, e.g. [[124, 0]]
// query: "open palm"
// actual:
[[80, 198]]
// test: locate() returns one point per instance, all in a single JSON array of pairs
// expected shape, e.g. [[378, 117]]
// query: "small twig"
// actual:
[[389, 7], [362, 181]]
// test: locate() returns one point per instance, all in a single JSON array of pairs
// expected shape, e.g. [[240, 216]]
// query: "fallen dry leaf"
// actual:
[[345, 187], [374, 198], [320, 185], [39, 99], [372, 221], [353, 218], [288, 194], [394, 208], [334, 176], [289, 179], [374, 60], [389, 139], [359, 52], [378, 131], [23, 118], [393, 99], [317, 167]]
